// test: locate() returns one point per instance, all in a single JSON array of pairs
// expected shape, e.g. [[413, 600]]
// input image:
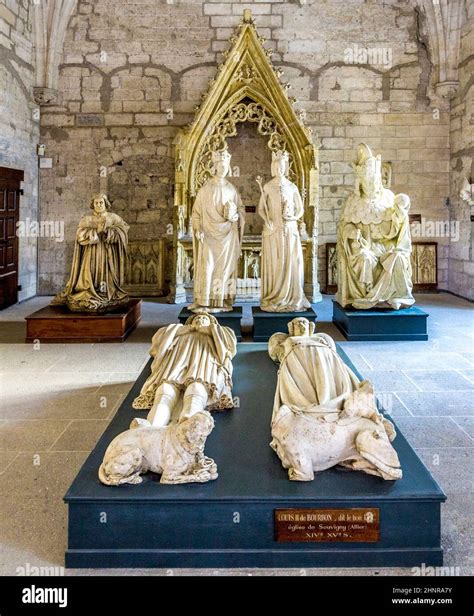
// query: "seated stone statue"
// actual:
[[322, 415], [99, 262], [191, 370], [176, 452], [374, 242]]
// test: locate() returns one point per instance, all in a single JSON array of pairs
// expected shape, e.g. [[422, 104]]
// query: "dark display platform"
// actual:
[[230, 319], [59, 324], [265, 324], [230, 522], [404, 324]]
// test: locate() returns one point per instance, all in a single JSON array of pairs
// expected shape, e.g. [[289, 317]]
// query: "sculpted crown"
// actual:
[[280, 155], [222, 155], [366, 160]]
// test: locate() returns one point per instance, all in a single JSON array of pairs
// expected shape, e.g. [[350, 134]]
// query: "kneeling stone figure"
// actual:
[[323, 416]]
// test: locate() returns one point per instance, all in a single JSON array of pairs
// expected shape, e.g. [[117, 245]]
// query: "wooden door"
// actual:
[[9, 215]]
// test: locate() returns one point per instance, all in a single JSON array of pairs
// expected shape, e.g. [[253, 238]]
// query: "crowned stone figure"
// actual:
[[218, 225], [99, 262], [374, 242], [281, 207]]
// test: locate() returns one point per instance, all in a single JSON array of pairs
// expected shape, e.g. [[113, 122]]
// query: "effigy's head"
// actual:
[[221, 162], [200, 320], [100, 203], [301, 327], [368, 169], [280, 163]]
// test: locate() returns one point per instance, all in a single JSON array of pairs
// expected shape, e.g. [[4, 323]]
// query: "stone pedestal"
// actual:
[[265, 324], [230, 319], [375, 324], [59, 324], [195, 525]]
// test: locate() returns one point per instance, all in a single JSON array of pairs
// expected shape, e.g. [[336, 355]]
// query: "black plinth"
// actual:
[[229, 522], [265, 324], [230, 319], [404, 324]]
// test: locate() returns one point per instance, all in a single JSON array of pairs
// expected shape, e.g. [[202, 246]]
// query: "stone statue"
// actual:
[[191, 371], [374, 242], [99, 263], [322, 415], [218, 225], [176, 452], [282, 266]]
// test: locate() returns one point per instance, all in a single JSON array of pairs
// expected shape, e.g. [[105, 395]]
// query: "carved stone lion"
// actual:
[[175, 451]]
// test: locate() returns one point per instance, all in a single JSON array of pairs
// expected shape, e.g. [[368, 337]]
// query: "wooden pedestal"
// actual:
[[58, 324]]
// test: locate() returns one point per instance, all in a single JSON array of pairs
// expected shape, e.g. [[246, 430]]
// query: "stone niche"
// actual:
[[145, 271], [246, 109], [250, 157]]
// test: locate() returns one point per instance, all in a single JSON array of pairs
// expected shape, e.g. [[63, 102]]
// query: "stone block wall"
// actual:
[[132, 73], [461, 265], [19, 125]]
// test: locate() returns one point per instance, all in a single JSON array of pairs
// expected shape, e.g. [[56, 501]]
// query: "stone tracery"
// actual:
[[247, 88]]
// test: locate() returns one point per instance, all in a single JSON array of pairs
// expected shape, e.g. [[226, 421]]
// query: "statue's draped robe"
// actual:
[[282, 255], [312, 378], [216, 257], [378, 272], [98, 266], [183, 355], [323, 416]]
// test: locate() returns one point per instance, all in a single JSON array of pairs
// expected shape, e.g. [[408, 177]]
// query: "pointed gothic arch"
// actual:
[[247, 88]]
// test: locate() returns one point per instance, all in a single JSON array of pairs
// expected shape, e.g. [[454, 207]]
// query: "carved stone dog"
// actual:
[[175, 451], [357, 437]]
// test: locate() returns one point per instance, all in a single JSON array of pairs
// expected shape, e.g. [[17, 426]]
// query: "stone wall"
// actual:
[[461, 265], [132, 73], [19, 130]]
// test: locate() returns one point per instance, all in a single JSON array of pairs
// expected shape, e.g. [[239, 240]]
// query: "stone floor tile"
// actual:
[[81, 435], [452, 468], [30, 435], [63, 405], [33, 524], [439, 380], [443, 403], [466, 423], [433, 432], [389, 380]]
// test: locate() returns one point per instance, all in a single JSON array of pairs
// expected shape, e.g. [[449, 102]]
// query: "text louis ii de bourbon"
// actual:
[[320, 525]]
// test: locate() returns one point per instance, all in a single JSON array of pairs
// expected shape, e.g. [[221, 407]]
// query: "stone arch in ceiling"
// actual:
[[441, 26], [50, 23]]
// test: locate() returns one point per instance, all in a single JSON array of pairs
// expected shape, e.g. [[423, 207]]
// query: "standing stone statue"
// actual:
[[322, 415], [99, 262], [281, 207], [374, 242], [218, 225]]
